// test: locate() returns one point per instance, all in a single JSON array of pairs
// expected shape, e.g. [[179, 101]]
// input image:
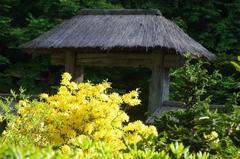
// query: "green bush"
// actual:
[[95, 150], [194, 82], [216, 131]]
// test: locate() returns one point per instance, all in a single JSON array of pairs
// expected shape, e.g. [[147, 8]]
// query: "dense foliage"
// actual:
[[87, 148], [211, 130], [193, 82]]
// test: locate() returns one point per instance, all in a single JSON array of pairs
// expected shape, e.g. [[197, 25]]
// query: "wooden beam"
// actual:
[[113, 56], [173, 60], [118, 62], [114, 60]]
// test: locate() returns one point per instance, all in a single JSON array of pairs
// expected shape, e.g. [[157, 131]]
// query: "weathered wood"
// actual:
[[117, 62], [70, 63], [173, 61], [154, 85], [58, 59], [114, 60], [114, 55], [165, 84], [110, 60], [159, 83]]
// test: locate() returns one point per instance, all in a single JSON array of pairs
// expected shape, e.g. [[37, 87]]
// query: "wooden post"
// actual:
[[70, 63], [70, 67], [159, 84], [166, 80]]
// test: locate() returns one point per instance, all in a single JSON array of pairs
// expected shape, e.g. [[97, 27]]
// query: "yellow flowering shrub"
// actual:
[[78, 109], [135, 130]]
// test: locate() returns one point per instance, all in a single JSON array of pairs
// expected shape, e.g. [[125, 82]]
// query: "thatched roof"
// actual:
[[106, 30]]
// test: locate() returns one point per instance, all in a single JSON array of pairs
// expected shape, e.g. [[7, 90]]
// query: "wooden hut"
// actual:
[[125, 38]]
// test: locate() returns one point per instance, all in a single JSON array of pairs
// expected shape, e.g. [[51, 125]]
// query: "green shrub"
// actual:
[[202, 129], [95, 150], [194, 82]]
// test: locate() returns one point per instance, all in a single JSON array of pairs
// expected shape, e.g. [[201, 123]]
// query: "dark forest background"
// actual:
[[213, 23]]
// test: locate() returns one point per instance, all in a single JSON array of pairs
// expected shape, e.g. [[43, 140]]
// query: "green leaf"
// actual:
[[238, 58], [236, 65]]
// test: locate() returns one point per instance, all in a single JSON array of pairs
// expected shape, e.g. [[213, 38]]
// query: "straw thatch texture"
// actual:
[[119, 29]]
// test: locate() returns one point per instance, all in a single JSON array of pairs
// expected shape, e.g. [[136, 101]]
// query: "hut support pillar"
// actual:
[[70, 63], [159, 84], [70, 67]]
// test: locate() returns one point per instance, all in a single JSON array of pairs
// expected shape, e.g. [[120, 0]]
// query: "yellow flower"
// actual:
[[1, 118], [89, 128], [134, 126], [22, 111], [131, 98], [100, 134], [151, 130], [43, 96], [115, 97], [212, 136], [136, 130], [66, 149], [66, 77], [63, 90], [73, 86], [133, 139], [22, 103]]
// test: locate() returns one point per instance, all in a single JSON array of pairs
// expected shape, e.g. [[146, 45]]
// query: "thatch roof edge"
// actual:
[[120, 12]]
